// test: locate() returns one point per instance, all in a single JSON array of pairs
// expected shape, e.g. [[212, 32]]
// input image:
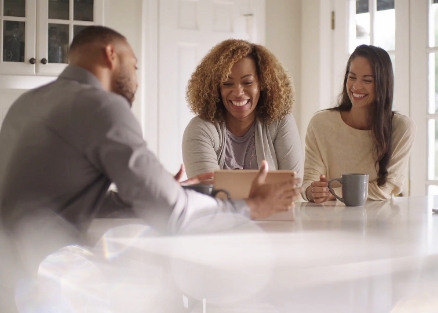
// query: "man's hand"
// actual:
[[201, 178], [318, 191], [180, 173], [266, 199]]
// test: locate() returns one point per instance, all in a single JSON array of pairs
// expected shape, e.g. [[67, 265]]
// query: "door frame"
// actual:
[[419, 94]]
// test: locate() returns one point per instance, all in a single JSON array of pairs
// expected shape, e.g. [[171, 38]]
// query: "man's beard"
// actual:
[[122, 84]]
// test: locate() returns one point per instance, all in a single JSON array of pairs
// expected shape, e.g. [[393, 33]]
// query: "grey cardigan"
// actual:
[[278, 143]]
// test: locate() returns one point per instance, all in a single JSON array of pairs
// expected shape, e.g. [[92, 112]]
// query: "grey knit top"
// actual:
[[278, 143]]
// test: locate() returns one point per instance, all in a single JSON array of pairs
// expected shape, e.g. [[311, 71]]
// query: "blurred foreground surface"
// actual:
[[382, 257]]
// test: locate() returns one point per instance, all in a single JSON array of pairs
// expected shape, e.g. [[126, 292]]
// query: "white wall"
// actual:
[[283, 38], [126, 18], [299, 33], [316, 84]]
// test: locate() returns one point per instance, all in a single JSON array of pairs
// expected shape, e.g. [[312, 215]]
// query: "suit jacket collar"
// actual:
[[81, 75]]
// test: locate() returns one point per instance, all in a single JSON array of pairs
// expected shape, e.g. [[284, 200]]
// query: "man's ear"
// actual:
[[110, 56]]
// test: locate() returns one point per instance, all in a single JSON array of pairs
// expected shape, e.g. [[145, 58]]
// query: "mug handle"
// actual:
[[332, 191], [216, 191]]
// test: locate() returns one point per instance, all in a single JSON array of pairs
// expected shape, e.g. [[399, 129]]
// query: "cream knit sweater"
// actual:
[[334, 148]]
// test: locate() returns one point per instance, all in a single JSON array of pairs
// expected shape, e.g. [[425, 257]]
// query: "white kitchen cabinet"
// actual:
[[35, 35]]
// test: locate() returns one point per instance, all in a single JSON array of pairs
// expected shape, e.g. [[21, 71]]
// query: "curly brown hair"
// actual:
[[203, 90]]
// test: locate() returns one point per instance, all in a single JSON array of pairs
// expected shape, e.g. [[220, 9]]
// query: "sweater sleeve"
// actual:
[[287, 145], [198, 147], [313, 165], [403, 138]]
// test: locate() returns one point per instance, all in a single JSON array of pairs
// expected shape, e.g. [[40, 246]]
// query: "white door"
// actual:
[[187, 30]]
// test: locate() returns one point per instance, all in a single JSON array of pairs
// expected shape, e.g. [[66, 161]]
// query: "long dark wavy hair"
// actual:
[[381, 113]]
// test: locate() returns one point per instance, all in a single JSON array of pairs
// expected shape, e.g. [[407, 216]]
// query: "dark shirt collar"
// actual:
[[81, 75]]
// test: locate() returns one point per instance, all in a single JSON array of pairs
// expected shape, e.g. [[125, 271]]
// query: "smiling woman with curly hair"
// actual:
[[243, 99]]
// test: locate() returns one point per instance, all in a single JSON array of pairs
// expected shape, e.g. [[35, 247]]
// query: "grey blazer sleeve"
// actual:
[[200, 147], [118, 150], [288, 146]]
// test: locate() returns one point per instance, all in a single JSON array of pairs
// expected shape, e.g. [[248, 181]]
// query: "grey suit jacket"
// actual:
[[63, 144]]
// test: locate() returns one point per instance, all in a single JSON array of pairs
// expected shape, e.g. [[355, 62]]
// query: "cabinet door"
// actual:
[[17, 40], [58, 22]]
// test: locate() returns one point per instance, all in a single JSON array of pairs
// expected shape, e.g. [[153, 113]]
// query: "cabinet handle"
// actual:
[[44, 60], [32, 60]]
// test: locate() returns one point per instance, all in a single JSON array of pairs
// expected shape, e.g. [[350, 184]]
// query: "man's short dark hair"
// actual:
[[95, 34]]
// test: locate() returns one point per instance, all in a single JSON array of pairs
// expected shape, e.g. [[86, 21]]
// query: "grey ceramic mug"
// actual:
[[354, 188]]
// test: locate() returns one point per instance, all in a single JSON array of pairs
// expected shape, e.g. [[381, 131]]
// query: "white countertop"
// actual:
[[382, 257]]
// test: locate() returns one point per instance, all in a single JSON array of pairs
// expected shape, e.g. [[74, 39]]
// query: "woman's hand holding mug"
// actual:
[[318, 191]]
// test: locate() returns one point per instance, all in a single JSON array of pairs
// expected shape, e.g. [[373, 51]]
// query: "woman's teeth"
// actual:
[[358, 95], [240, 103]]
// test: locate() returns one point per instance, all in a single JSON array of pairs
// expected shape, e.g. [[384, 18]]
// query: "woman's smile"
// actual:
[[358, 96], [239, 103]]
